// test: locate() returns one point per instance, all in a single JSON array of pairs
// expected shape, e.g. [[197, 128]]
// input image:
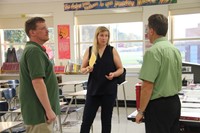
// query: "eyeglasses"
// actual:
[[43, 28]]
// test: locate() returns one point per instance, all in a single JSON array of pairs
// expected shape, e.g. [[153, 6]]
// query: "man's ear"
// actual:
[[151, 31], [31, 32]]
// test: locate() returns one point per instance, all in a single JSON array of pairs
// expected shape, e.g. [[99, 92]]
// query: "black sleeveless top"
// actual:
[[98, 84]]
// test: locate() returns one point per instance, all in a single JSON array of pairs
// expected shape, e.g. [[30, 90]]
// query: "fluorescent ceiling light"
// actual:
[[36, 15]]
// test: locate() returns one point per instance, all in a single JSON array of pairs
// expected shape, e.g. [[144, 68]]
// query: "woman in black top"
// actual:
[[102, 82]]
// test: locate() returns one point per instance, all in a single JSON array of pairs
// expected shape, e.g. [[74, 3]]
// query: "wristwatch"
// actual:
[[140, 112]]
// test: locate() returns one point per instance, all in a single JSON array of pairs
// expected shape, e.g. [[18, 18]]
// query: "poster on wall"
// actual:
[[107, 4], [154, 2], [63, 42], [87, 5]]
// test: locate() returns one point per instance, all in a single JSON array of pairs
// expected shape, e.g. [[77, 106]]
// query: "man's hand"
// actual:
[[138, 118], [51, 117]]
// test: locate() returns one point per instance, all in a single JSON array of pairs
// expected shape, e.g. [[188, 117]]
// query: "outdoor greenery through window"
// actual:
[[186, 36], [16, 38], [127, 38]]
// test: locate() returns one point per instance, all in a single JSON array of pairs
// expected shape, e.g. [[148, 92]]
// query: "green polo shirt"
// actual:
[[34, 63], [162, 65]]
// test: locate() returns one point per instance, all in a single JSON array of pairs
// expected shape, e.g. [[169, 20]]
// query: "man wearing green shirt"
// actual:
[[38, 83], [161, 76]]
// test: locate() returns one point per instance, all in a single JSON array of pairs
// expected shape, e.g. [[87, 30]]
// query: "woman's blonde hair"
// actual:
[[95, 43]]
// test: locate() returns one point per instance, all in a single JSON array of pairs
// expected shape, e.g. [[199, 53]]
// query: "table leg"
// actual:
[[68, 109], [116, 100], [75, 97]]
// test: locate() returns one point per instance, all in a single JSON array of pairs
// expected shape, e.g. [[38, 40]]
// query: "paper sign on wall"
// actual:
[[63, 42]]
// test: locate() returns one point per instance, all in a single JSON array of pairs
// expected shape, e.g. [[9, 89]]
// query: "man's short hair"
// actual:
[[31, 24], [158, 23]]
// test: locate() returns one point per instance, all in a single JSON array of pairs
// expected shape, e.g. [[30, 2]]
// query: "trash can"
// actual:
[[137, 92]]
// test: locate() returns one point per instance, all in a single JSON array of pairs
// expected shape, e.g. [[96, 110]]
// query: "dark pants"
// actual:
[[91, 106], [162, 115]]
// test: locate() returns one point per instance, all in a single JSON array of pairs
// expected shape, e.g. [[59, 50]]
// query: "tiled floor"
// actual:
[[124, 126]]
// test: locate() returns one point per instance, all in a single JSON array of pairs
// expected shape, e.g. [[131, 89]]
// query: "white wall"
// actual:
[[11, 17]]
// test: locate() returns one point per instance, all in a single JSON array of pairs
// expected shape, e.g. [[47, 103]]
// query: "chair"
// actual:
[[14, 84], [61, 96], [3, 107], [9, 95], [18, 129], [65, 107], [125, 105], [84, 85]]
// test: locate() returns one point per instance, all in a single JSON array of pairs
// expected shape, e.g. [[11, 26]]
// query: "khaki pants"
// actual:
[[40, 128]]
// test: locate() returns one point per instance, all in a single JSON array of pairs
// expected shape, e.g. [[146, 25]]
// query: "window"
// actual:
[[127, 38], [186, 36], [16, 38], [50, 45], [12, 38]]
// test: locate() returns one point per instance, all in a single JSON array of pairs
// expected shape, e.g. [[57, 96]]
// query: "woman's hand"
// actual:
[[110, 76], [88, 69]]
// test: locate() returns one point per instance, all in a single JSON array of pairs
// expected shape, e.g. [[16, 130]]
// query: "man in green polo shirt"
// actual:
[[38, 83], [161, 76]]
